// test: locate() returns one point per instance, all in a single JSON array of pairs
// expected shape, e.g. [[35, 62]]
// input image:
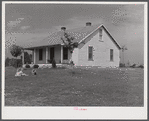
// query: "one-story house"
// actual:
[[96, 47]]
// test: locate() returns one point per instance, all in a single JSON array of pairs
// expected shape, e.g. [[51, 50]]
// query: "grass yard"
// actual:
[[80, 87]]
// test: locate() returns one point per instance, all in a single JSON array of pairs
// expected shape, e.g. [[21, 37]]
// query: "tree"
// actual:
[[68, 43], [27, 58], [30, 55], [16, 51]]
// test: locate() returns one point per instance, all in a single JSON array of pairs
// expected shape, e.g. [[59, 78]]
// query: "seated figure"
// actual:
[[34, 72], [20, 73]]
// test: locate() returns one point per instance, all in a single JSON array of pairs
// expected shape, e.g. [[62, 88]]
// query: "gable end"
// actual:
[[82, 41]]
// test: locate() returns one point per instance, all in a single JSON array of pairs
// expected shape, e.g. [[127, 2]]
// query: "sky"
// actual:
[[31, 22]]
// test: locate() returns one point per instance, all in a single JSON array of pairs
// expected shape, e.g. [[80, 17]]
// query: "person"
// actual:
[[20, 72], [34, 72]]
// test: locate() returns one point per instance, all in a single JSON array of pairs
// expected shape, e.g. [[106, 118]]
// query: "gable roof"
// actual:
[[79, 34], [117, 44]]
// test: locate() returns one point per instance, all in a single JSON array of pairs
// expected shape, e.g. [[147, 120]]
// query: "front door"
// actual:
[[51, 53]]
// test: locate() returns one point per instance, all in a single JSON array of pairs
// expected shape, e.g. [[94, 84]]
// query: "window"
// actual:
[[90, 53], [111, 54], [40, 54], [65, 53], [100, 34]]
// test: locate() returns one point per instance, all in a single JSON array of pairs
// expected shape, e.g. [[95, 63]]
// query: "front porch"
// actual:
[[45, 55]]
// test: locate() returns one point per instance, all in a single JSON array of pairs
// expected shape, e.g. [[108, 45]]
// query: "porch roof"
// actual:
[[55, 38]]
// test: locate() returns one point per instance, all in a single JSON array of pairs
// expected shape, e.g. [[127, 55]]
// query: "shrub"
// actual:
[[71, 63], [36, 66], [7, 62], [12, 62], [133, 66], [27, 66], [19, 62], [53, 63], [49, 61], [27, 58], [141, 66], [15, 62], [122, 65]]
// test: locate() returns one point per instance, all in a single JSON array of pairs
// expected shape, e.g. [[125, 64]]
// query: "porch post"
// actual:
[[34, 56], [46, 54], [61, 54], [23, 57]]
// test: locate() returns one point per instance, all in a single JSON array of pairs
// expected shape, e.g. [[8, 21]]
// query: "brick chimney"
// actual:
[[63, 28], [88, 23]]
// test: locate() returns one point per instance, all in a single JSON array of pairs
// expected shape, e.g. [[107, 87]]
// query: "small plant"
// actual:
[[122, 65], [141, 66], [53, 63], [7, 60], [49, 61], [71, 62], [27, 66], [36, 66], [133, 66]]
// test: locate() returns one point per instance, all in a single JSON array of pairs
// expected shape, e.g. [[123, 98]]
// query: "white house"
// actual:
[[96, 47]]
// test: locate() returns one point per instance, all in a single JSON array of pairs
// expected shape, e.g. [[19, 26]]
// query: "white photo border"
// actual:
[[98, 112]]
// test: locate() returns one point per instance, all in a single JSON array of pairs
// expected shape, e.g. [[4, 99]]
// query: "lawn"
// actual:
[[77, 87]]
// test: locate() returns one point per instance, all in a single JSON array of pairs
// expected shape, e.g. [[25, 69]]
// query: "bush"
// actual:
[[133, 66], [36, 66], [7, 62], [71, 63], [12, 62], [27, 58], [15, 62], [53, 63], [27, 66], [141, 66], [19, 63], [49, 61], [122, 65]]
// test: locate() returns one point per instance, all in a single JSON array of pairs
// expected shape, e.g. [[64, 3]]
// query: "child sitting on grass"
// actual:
[[20, 73], [34, 72]]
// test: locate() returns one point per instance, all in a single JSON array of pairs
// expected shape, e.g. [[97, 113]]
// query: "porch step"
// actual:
[[43, 65]]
